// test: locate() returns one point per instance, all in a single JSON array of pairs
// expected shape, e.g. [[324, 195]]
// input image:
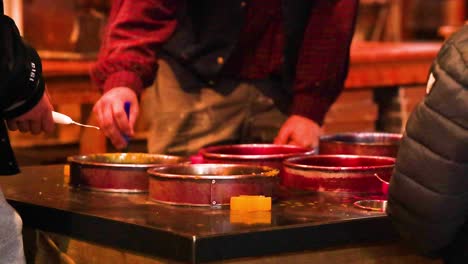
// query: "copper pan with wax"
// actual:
[[209, 184], [338, 173], [271, 155], [116, 172], [361, 143]]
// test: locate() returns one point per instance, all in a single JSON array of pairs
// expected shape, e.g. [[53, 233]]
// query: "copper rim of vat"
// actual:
[[361, 143], [209, 184], [116, 172], [252, 152], [372, 205], [384, 183], [338, 172], [271, 155]]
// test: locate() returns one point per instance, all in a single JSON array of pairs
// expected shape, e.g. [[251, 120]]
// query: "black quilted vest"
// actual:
[[428, 195]]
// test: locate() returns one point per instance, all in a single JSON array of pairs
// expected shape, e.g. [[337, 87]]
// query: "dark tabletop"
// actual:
[[298, 221]]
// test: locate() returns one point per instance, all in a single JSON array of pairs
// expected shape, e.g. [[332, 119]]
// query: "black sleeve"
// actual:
[[21, 83]]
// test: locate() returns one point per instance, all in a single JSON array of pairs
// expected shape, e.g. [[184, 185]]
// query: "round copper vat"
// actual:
[[116, 172], [270, 155], [361, 143], [338, 173], [209, 184]]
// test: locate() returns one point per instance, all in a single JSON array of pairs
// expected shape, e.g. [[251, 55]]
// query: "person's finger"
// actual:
[[35, 126], [12, 125], [23, 126], [115, 134], [283, 136], [121, 119], [98, 114], [118, 142], [105, 121], [47, 123], [134, 111]]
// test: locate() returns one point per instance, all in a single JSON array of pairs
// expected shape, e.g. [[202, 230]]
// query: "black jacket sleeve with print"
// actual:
[[21, 85]]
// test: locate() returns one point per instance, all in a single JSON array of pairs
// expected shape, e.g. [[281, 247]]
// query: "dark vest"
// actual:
[[209, 29]]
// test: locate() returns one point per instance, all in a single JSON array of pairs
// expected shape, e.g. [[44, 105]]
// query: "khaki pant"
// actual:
[[231, 112]]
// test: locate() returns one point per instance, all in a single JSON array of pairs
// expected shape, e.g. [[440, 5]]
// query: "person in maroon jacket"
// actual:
[[226, 71]]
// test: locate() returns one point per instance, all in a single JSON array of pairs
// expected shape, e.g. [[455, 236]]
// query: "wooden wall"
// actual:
[[65, 25]]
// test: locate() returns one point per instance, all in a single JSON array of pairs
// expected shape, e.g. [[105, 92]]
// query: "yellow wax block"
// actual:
[[250, 203], [66, 173], [262, 204], [250, 218]]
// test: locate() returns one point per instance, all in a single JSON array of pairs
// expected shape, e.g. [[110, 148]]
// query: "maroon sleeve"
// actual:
[[323, 59], [128, 52]]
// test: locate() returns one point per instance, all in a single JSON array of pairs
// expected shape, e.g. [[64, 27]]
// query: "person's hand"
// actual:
[[299, 131], [111, 115], [37, 120]]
